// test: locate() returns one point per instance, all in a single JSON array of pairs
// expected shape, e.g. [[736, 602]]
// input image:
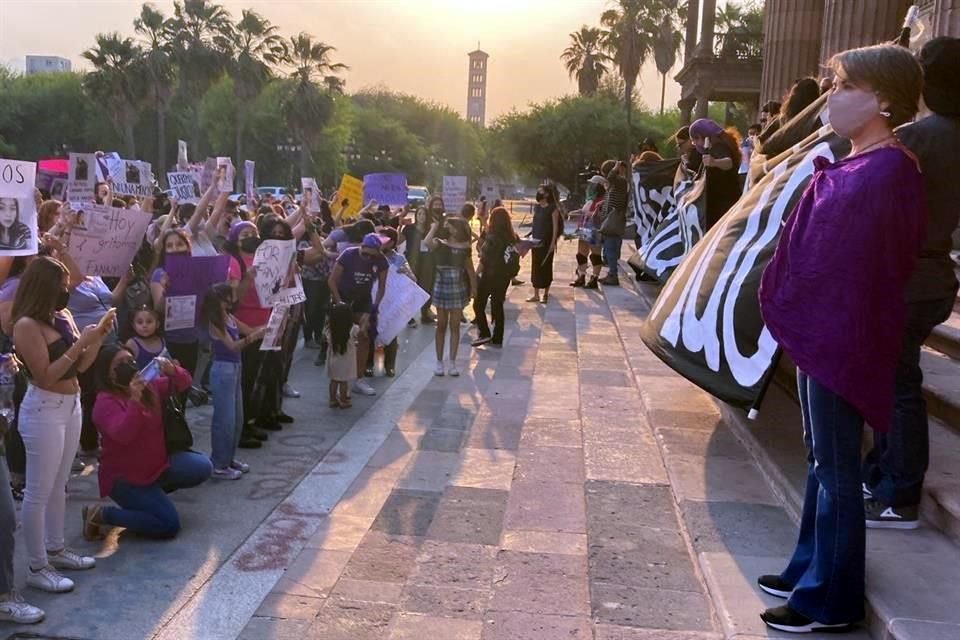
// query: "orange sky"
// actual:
[[414, 46]]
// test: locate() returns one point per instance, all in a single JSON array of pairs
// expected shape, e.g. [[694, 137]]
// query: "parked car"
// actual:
[[276, 192], [417, 196]]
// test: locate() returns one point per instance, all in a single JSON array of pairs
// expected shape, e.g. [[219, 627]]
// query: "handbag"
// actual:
[[176, 431]]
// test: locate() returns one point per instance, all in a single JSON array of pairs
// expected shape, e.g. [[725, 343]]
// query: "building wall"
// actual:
[[46, 64], [848, 24], [791, 44]]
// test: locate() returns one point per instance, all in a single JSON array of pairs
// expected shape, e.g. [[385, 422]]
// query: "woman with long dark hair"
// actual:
[[183, 344], [273, 228], [53, 352], [494, 275], [547, 228], [454, 285]]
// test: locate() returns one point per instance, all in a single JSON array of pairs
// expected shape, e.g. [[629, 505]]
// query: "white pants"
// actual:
[[50, 427]]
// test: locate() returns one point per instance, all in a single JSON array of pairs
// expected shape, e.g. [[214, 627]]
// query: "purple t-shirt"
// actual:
[[359, 272]]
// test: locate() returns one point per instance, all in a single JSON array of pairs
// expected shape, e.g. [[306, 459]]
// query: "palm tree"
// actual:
[[667, 44], [585, 59], [151, 25], [628, 39], [200, 35], [259, 49], [308, 108], [116, 61]]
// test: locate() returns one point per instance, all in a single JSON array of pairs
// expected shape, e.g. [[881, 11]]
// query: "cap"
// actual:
[[597, 180], [940, 59], [373, 241]]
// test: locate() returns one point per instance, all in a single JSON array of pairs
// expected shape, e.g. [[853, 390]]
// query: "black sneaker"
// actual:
[[609, 281], [592, 283], [390, 372], [269, 426], [259, 434], [580, 281], [284, 418], [786, 619], [867, 492], [775, 586], [880, 516]]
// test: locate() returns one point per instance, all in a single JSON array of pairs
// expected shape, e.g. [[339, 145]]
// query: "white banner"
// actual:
[[278, 282], [185, 186], [82, 178], [104, 240], [401, 301], [18, 209]]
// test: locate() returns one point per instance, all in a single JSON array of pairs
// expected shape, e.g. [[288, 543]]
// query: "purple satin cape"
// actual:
[[832, 295]]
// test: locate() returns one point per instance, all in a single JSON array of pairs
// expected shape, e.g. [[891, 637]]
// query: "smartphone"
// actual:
[[150, 372]]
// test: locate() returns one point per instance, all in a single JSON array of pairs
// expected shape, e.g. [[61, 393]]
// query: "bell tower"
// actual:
[[477, 87]]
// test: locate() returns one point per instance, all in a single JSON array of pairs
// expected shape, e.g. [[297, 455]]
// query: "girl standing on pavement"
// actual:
[[591, 242], [494, 276], [547, 227], [454, 285], [342, 335]]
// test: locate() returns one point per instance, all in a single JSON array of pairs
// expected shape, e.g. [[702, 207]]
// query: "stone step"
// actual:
[[941, 386], [946, 337], [906, 570]]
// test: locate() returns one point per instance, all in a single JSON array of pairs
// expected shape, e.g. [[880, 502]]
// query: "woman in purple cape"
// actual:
[[832, 297]]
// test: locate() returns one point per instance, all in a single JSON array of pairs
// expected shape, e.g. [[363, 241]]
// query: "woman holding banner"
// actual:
[[183, 344], [833, 298]]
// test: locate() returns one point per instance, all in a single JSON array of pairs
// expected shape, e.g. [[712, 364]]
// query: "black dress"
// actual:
[[723, 185], [541, 268]]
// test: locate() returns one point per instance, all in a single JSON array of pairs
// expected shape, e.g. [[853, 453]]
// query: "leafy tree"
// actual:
[[740, 30], [259, 49], [585, 60], [667, 44], [308, 108], [200, 35], [151, 25], [117, 63]]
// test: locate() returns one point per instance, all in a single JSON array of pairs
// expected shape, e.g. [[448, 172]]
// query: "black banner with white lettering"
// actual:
[[706, 322], [652, 196], [679, 230]]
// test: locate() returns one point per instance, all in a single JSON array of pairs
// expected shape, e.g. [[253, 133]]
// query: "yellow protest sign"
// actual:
[[351, 189]]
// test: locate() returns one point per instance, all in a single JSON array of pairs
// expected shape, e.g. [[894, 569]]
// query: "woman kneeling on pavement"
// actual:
[[832, 297], [135, 470]]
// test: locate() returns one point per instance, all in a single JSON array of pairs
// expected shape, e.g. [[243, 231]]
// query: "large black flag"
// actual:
[[652, 195], [706, 322], [679, 230]]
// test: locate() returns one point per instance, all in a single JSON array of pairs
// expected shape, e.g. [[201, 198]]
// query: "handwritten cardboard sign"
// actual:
[[182, 162], [82, 177], [249, 186], [351, 190], [276, 327], [277, 279], [129, 177], [385, 188], [18, 210], [402, 300], [229, 174], [454, 192], [314, 203], [105, 239], [185, 186]]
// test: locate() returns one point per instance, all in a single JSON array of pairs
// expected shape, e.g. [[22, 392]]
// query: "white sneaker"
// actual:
[[361, 386], [14, 609], [290, 392], [71, 561], [227, 473], [452, 370], [242, 467], [47, 579], [439, 370]]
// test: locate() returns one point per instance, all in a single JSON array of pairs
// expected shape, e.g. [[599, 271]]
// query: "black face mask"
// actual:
[[63, 298], [540, 197], [249, 244], [123, 374]]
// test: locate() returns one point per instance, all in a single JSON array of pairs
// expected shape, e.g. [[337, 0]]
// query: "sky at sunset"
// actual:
[[413, 46]]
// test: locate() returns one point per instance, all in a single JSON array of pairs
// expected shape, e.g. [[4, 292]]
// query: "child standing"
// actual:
[[226, 345], [146, 343], [341, 336]]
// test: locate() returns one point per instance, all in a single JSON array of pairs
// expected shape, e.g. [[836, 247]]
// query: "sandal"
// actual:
[[345, 403], [92, 525]]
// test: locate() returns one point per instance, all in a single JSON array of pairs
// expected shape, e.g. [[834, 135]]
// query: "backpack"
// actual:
[[511, 260]]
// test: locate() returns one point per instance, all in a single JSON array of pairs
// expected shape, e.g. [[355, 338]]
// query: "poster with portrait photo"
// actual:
[[18, 209]]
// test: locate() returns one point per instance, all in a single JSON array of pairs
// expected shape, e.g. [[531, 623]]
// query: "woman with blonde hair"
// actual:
[[833, 298]]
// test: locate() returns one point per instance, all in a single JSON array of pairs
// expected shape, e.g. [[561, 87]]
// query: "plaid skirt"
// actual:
[[449, 288]]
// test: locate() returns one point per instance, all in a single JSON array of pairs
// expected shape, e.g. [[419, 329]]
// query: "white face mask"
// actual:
[[851, 110]]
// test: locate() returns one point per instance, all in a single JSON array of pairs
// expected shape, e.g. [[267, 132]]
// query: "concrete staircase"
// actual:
[[911, 575]]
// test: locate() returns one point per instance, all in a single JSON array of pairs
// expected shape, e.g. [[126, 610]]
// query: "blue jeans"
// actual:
[[227, 422], [146, 509], [894, 469], [827, 568], [611, 253]]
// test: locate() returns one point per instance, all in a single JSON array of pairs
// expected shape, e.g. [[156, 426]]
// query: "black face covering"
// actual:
[[124, 373], [63, 298], [249, 244]]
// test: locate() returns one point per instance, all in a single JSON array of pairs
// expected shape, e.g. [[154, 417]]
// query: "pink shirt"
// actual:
[[249, 311], [131, 435]]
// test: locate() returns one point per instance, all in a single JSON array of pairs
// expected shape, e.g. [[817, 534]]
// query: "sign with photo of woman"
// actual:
[[18, 208]]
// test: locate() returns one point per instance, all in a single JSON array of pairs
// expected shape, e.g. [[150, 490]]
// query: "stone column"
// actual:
[[709, 27], [945, 18], [686, 110], [791, 44], [693, 28], [702, 109], [848, 24]]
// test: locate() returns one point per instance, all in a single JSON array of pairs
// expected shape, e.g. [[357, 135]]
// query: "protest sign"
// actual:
[[105, 239], [249, 186], [385, 188], [313, 206], [129, 177], [489, 188], [82, 178], [454, 193], [229, 174], [208, 173], [191, 277], [58, 189], [185, 186], [277, 279], [276, 327], [182, 162], [181, 313], [401, 301], [351, 191], [18, 209]]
